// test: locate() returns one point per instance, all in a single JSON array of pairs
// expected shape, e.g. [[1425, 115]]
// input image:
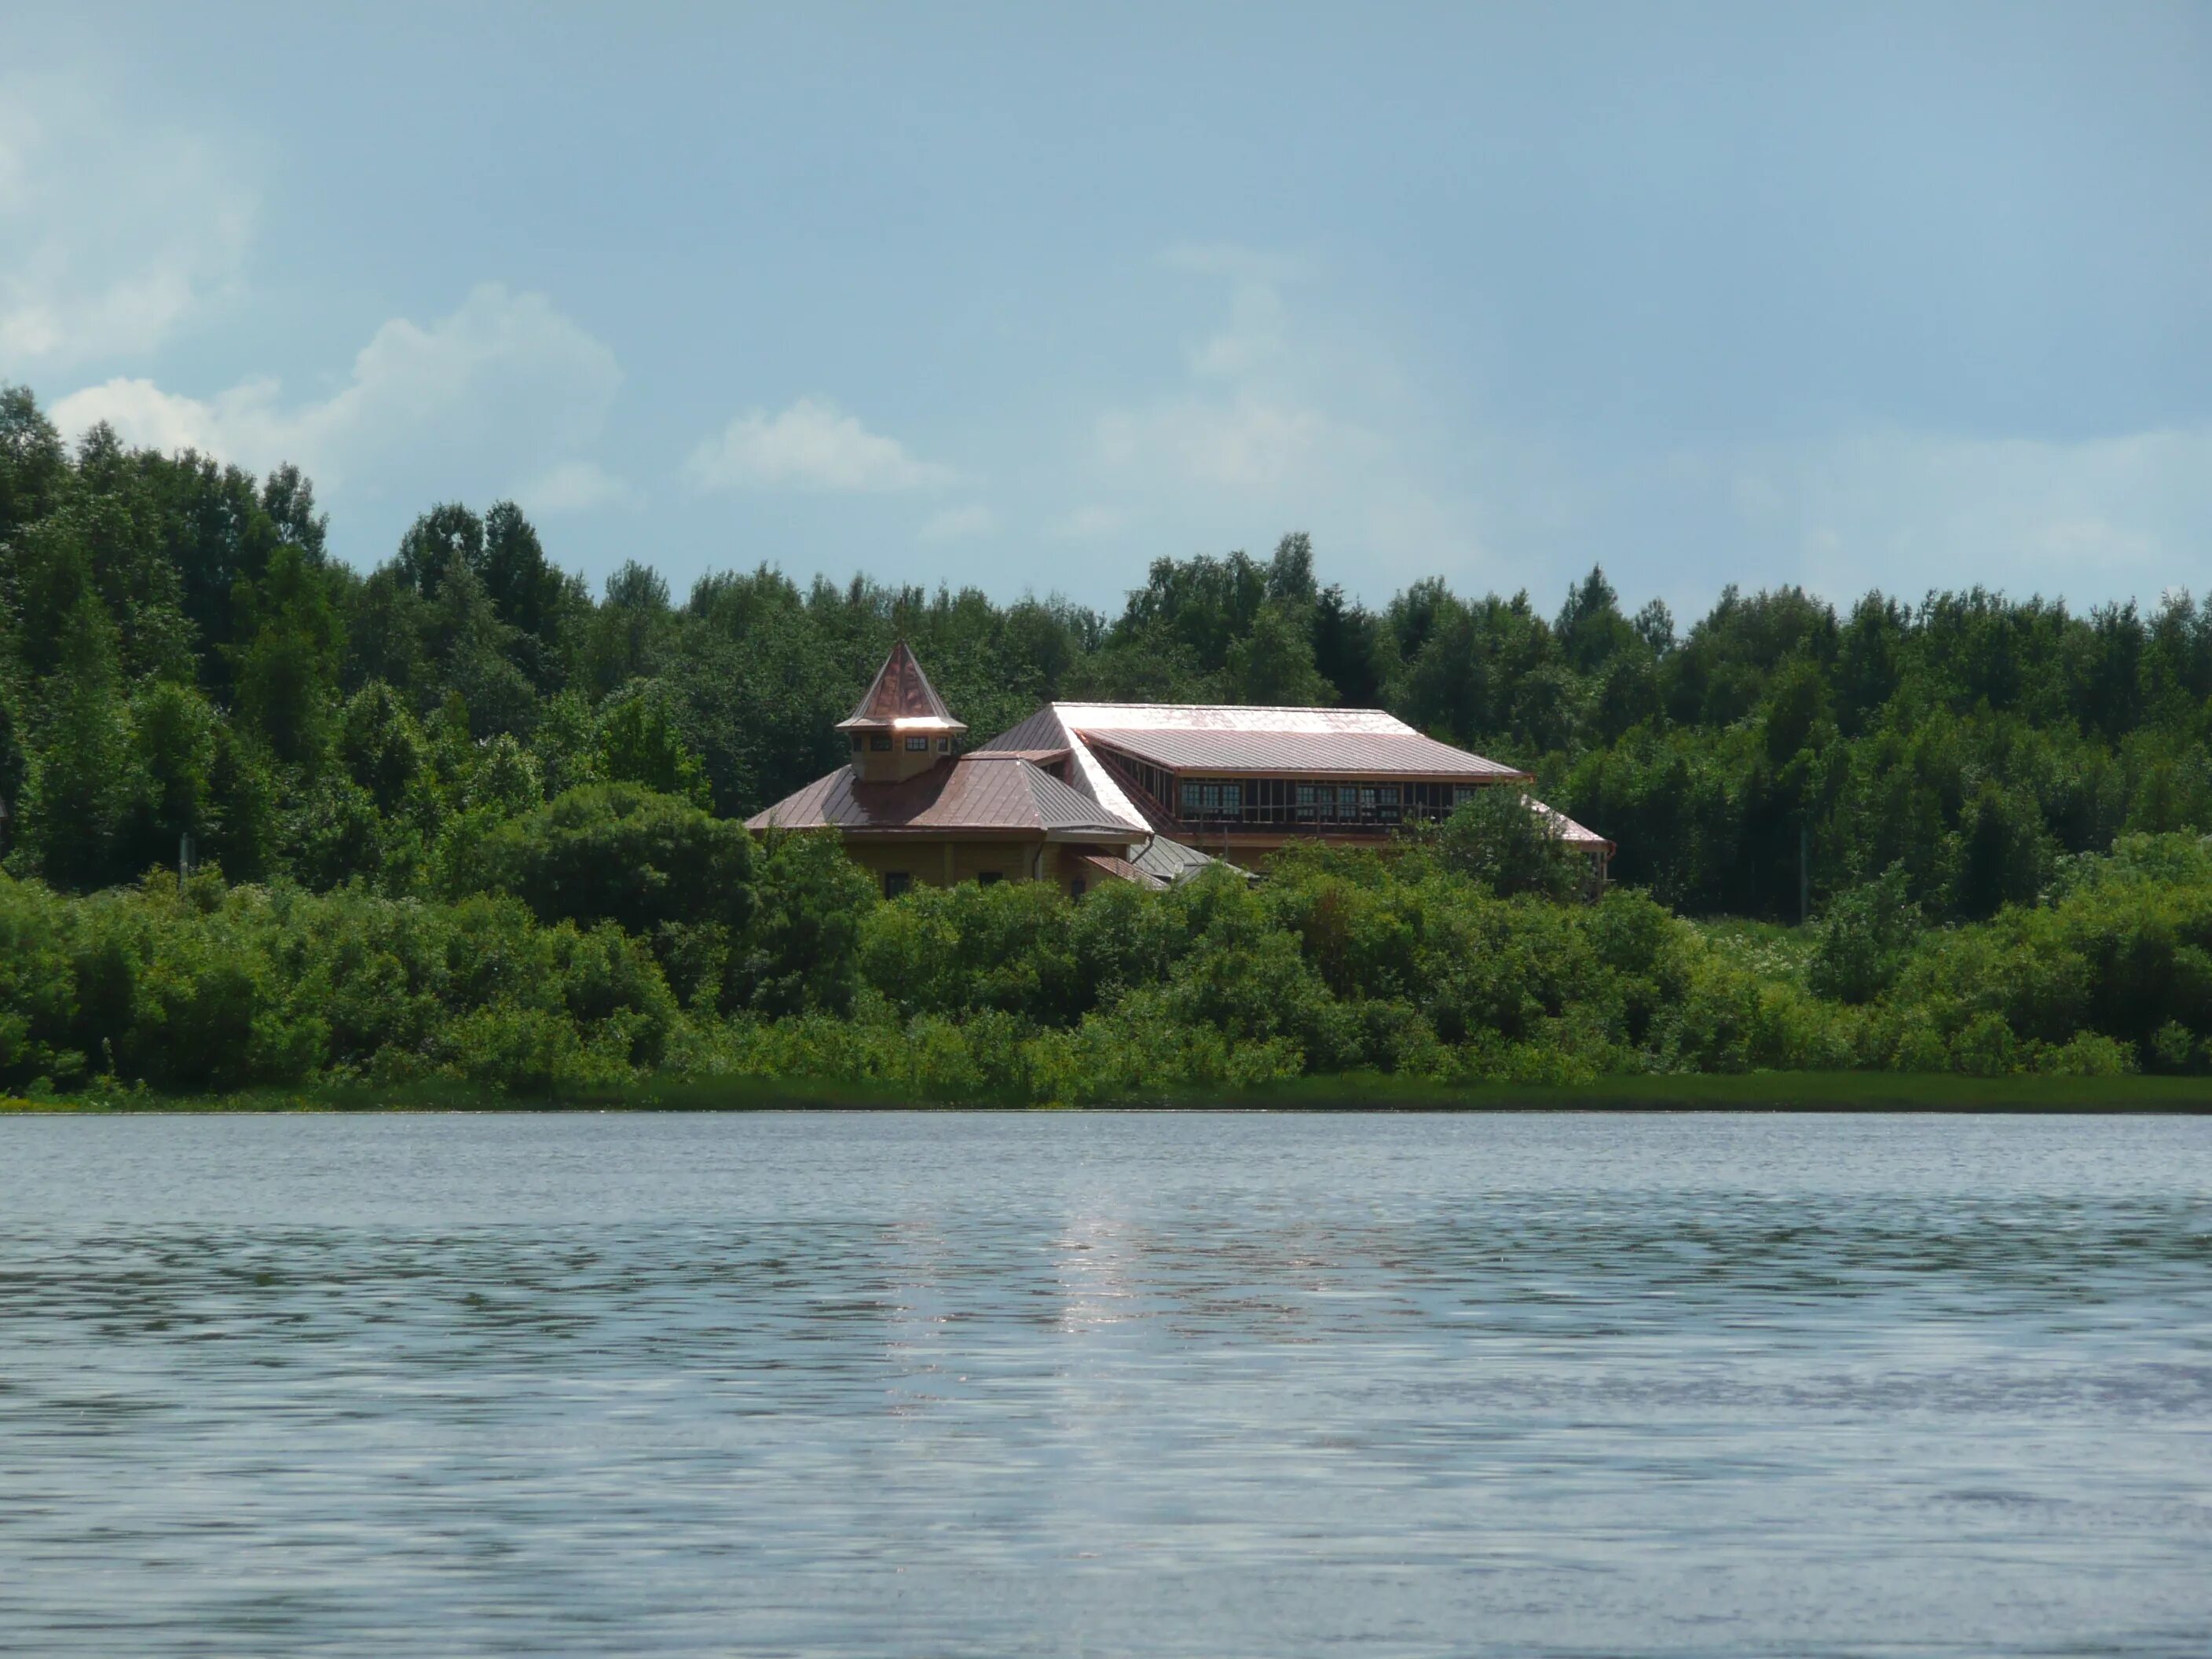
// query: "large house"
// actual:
[[1085, 792]]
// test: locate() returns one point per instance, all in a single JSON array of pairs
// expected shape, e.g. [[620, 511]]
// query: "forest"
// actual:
[[268, 819]]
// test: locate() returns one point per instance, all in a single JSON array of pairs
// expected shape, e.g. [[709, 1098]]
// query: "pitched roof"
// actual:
[[1403, 753], [901, 698], [1169, 861], [1224, 717], [1304, 732], [1566, 831], [983, 795], [1106, 864]]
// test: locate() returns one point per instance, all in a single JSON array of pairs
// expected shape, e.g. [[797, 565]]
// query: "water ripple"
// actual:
[[1188, 1384]]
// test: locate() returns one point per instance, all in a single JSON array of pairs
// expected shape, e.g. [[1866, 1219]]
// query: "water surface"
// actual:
[[1159, 1384]]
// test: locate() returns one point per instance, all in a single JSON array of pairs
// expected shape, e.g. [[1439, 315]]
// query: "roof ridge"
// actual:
[[1235, 707]]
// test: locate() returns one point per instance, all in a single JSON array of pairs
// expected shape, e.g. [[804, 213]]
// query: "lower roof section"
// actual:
[[988, 795]]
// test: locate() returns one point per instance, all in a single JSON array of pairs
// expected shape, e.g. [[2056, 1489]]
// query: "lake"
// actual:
[[1189, 1383]]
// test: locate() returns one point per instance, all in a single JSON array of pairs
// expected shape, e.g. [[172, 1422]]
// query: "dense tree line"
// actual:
[[465, 775], [1341, 962], [180, 657]]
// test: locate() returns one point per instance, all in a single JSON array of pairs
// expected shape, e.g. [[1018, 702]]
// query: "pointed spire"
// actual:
[[901, 697]]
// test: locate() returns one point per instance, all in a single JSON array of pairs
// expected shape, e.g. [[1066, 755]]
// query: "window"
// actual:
[[945, 745], [917, 745], [858, 744], [895, 882], [989, 878], [880, 743], [1075, 887], [1191, 797], [1463, 792]]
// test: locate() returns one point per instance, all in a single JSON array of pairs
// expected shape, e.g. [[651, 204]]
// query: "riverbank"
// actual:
[[1761, 1091]]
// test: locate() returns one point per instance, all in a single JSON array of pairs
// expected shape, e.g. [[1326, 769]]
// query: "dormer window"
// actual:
[[917, 745]]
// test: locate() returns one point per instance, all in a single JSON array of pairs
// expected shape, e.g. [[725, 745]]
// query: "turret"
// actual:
[[902, 727]]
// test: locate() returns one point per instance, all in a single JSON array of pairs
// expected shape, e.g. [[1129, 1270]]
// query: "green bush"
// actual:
[[621, 852]]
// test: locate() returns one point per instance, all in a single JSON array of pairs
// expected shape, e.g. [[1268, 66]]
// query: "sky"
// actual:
[[1866, 296]]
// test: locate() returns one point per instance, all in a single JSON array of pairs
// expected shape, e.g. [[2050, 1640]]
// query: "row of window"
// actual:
[[1281, 800], [1265, 803], [880, 743]]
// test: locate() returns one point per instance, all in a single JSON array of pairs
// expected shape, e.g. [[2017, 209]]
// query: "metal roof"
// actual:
[[901, 698], [1106, 864], [1170, 861], [1225, 717], [1334, 742], [1566, 831], [1402, 753], [1045, 730], [975, 794]]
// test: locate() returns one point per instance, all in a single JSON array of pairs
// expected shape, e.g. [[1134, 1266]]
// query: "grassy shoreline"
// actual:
[[1758, 1091]]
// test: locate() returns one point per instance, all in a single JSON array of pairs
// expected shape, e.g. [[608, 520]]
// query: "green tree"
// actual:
[[173, 731], [638, 743], [381, 746], [622, 854], [85, 783], [800, 954], [1865, 938], [1499, 838], [33, 465], [1273, 664], [286, 668]]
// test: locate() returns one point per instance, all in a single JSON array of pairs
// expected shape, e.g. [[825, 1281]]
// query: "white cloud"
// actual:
[[1902, 510], [1253, 341], [960, 523], [1246, 442], [1235, 261], [1286, 417], [1291, 413], [812, 445], [111, 236], [1089, 523], [1913, 510], [575, 486], [496, 399]]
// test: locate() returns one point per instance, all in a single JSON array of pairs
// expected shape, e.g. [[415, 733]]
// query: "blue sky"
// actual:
[[1025, 296]]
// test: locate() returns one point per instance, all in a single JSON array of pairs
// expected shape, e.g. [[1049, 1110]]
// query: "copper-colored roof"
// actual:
[[1405, 753], [1225, 717], [902, 697], [1319, 741], [1567, 832], [975, 794], [1114, 869]]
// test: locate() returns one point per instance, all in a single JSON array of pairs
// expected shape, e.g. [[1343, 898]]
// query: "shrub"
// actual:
[[620, 852]]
